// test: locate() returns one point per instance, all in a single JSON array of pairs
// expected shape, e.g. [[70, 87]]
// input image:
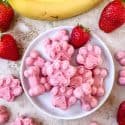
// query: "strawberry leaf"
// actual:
[[123, 1], [4, 1]]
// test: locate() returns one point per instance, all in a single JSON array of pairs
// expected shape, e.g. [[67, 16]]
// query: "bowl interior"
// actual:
[[43, 102]]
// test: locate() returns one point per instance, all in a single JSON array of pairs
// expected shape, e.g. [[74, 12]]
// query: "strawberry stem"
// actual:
[[4, 1], [87, 29]]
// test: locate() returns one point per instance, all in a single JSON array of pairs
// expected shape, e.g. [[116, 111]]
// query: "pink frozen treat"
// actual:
[[120, 57], [99, 78], [58, 47], [33, 76], [4, 114], [24, 121], [10, 88], [90, 87], [121, 79], [90, 56], [63, 97], [59, 72]]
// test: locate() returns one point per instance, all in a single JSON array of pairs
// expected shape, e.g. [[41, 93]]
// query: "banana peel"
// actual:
[[52, 9]]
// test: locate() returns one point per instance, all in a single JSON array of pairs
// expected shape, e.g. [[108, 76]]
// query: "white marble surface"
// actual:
[[106, 115]]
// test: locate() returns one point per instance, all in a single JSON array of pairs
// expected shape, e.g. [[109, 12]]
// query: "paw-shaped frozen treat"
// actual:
[[59, 72], [59, 48], [24, 121], [90, 56], [62, 97], [10, 88], [120, 57], [4, 114]]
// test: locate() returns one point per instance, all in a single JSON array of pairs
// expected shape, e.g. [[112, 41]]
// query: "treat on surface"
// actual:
[[4, 114], [120, 57], [121, 77], [90, 56], [10, 88], [24, 121]]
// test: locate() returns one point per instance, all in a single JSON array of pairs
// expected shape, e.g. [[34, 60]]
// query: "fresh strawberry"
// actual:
[[6, 16], [8, 48], [79, 36], [121, 114], [113, 16]]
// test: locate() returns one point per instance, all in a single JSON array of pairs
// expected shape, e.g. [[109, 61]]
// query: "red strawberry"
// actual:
[[79, 36], [113, 16], [8, 48], [6, 16], [121, 114]]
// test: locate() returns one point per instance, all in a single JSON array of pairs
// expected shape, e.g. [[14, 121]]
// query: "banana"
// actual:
[[52, 9]]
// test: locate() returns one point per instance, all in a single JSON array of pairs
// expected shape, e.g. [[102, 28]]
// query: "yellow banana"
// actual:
[[52, 9]]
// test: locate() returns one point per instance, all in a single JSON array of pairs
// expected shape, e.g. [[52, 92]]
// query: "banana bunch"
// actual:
[[52, 9]]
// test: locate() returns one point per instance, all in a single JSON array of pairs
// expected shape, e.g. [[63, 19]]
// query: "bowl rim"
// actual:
[[71, 117]]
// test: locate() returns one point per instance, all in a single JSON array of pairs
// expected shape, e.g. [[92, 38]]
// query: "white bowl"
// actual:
[[43, 102]]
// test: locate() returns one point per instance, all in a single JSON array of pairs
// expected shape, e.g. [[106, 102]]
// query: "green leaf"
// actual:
[[123, 0]]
